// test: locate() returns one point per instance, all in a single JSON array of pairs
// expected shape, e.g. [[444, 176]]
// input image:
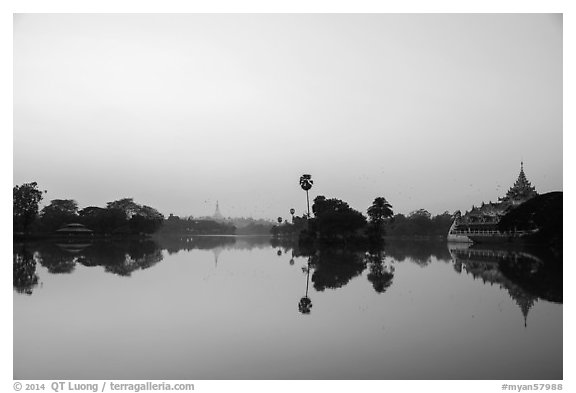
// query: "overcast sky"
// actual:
[[177, 111]]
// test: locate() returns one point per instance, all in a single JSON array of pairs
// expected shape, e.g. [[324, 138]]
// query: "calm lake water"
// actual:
[[246, 308]]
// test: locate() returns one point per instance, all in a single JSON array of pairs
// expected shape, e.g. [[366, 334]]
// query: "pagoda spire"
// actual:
[[217, 215], [521, 191]]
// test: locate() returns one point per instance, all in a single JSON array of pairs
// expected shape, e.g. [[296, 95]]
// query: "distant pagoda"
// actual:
[[217, 216]]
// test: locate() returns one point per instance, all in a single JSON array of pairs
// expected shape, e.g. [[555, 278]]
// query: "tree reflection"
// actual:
[[380, 274], [24, 277], [173, 244], [123, 258], [118, 257], [305, 304], [334, 268], [60, 258], [420, 252]]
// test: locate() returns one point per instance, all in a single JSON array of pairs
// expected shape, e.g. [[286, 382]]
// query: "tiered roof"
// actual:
[[490, 213], [521, 191]]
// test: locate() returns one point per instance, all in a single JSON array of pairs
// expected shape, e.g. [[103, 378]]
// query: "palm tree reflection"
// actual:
[[305, 304], [380, 275]]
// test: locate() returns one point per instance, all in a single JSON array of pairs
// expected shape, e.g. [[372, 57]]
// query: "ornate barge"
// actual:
[[480, 224]]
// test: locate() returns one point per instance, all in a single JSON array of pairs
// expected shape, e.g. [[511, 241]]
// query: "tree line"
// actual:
[[176, 225], [334, 220], [331, 220], [123, 216]]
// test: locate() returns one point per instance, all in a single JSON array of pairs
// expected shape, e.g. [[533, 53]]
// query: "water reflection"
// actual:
[[174, 244], [121, 258], [60, 258], [334, 268], [381, 273], [404, 303], [305, 304], [420, 252], [24, 270], [526, 274]]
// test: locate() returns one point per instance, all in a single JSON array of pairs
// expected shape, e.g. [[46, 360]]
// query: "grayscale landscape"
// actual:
[[288, 197]]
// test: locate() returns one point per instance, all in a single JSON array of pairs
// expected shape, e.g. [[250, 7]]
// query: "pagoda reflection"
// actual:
[[526, 275]]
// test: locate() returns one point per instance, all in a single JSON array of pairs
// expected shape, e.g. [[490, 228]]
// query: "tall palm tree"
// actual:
[[306, 184]]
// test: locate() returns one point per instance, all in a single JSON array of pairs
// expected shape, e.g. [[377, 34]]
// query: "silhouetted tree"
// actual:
[[420, 213], [65, 206], [58, 213], [419, 223], [299, 224], [92, 217], [176, 225], [306, 183], [25, 201], [127, 205], [274, 230], [138, 218], [334, 218], [145, 220], [102, 220], [378, 212]]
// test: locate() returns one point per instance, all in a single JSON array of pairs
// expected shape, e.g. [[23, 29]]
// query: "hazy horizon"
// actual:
[[177, 111]]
